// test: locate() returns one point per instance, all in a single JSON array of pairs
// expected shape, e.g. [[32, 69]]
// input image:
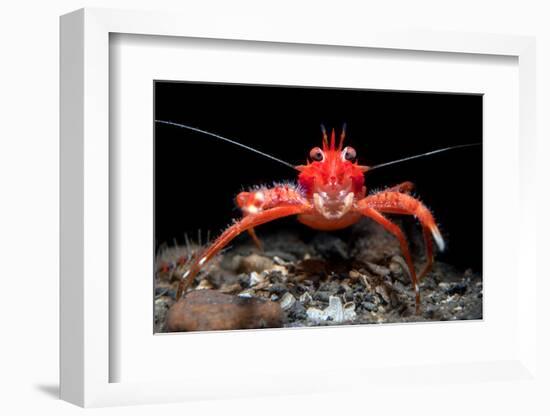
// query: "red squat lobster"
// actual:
[[330, 195]]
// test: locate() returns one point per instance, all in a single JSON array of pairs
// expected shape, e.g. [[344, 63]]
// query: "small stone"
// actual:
[[165, 291], [384, 293], [204, 284], [399, 269], [231, 288], [244, 280], [263, 294], [281, 269], [297, 312], [395, 267], [252, 263], [162, 305], [321, 296], [369, 306], [306, 298], [287, 301], [457, 288], [281, 257], [354, 275], [248, 293], [209, 310], [279, 261], [278, 289], [366, 282], [449, 299], [331, 286], [349, 312], [345, 288], [377, 269], [399, 287]]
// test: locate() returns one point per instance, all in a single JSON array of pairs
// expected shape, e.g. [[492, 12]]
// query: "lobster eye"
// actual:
[[349, 154], [317, 154]]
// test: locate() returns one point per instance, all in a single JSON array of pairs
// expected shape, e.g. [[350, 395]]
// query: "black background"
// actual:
[[197, 177]]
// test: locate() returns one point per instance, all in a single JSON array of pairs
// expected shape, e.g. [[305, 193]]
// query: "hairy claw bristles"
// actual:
[[171, 261], [276, 184]]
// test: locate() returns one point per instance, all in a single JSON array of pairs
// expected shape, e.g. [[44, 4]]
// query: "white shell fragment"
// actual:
[[287, 301], [256, 278], [334, 312], [248, 293], [349, 312], [316, 315], [306, 298], [279, 261]]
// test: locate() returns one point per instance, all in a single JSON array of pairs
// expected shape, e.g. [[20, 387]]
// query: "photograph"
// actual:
[[279, 206]]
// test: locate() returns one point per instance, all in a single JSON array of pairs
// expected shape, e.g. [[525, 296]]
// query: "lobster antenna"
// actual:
[[433, 152], [217, 136]]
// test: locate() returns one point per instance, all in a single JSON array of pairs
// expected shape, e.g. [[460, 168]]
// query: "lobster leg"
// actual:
[[396, 231], [246, 223], [398, 203], [255, 238]]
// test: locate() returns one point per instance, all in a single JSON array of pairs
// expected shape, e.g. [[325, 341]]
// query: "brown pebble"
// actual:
[[354, 275], [209, 310], [377, 269], [252, 263], [231, 288]]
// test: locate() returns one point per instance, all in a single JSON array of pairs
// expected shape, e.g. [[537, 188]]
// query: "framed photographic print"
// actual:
[[240, 194], [354, 268]]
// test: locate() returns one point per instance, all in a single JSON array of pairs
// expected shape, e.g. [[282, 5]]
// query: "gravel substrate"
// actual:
[[327, 280]]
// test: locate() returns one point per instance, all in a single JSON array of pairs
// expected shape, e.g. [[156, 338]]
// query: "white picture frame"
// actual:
[[86, 301]]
